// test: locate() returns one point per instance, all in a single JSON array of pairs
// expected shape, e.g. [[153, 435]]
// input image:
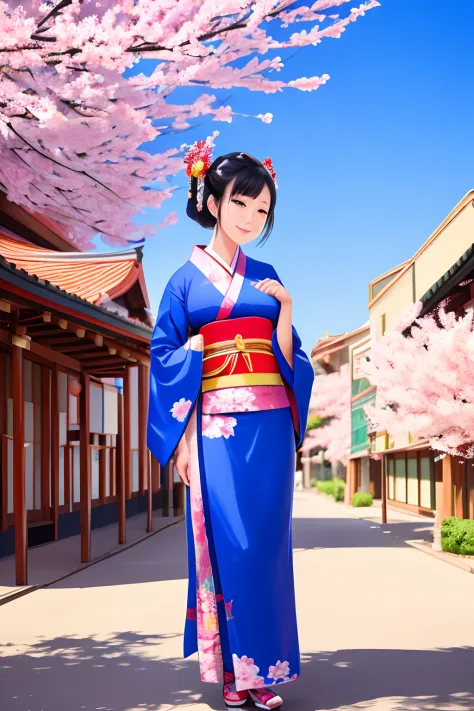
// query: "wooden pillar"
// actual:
[[120, 473], [306, 461], [383, 475], [142, 420], [148, 468], [168, 493], [171, 488], [155, 474], [350, 481], [45, 443], [3, 443], [180, 490], [448, 485], [102, 469], [19, 486], [127, 455], [458, 478], [85, 476], [55, 449]]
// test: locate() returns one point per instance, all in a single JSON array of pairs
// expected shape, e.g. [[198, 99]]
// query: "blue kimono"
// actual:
[[242, 441]]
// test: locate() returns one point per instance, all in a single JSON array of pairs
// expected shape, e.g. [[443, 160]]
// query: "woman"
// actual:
[[229, 395]]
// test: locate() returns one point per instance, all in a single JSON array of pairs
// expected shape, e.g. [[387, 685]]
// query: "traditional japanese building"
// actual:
[[75, 331]]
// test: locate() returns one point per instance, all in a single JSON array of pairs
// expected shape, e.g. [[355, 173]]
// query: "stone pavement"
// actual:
[[382, 627]]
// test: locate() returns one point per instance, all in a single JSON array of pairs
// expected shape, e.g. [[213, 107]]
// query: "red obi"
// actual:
[[239, 352]]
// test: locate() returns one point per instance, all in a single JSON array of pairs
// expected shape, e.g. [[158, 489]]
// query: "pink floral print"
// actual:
[[279, 671], [220, 279], [208, 637], [180, 409], [246, 673], [228, 400], [214, 426], [245, 399]]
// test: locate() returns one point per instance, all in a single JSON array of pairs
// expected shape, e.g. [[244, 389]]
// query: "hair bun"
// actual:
[[203, 217]]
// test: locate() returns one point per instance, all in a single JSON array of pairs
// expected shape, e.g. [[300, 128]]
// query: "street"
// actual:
[[381, 624]]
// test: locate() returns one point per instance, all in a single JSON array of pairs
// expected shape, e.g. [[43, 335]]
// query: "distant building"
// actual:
[[329, 355], [419, 479]]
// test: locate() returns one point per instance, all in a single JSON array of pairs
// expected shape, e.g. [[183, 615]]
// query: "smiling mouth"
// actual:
[[242, 230]]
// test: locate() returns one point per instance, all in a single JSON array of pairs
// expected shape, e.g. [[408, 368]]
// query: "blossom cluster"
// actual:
[[331, 397], [77, 115], [425, 380]]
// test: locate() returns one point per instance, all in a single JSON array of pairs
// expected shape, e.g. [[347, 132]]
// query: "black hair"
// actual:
[[250, 177]]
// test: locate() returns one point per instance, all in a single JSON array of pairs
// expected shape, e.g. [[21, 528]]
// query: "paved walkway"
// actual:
[[51, 561], [382, 626]]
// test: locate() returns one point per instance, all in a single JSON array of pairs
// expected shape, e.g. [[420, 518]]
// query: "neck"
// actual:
[[223, 245]]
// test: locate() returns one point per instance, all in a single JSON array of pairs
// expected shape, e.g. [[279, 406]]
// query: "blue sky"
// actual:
[[368, 165]]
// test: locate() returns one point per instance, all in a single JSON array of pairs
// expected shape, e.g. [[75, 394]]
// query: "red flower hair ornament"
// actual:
[[198, 159], [269, 166]]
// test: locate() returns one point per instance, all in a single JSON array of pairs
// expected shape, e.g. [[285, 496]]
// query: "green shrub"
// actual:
[[457, 535], [333, 487], [325, 486], [361, 498], [338, 489]]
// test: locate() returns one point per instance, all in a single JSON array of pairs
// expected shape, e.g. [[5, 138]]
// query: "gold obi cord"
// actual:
[[232, 349]]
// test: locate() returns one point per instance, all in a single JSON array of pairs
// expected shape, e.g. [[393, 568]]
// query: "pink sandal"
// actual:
[[265, 699], [231, 696]]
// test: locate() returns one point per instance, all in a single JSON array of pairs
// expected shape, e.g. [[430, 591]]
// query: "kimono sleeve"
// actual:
[[298, 380], [175, 375]]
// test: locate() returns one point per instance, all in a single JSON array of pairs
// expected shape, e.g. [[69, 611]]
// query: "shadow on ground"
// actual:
[[149, 562], [122, 674], [348, 532]]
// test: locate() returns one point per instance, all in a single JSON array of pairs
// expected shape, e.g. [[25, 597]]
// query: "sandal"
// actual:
[[231, 696], [265, 699]]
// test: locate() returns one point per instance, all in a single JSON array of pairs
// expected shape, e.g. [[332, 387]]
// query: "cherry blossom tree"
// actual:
[[75, 113], [331, 397], [425, 380]]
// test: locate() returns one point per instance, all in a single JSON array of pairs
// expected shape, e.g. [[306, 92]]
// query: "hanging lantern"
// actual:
[[74, 387]]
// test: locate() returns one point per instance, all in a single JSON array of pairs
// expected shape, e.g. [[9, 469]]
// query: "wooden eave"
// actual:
[[61, 328]]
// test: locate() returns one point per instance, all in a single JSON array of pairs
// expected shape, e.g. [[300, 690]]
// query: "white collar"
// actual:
[[229, 267]]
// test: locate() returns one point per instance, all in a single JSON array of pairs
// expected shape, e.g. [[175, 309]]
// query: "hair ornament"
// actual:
[[269, 166], [198, 159]]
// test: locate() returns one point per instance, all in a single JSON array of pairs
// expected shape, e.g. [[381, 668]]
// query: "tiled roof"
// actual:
[[94, 277], [42, 288]]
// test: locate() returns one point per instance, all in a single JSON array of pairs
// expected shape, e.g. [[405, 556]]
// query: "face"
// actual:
[[242, 218]]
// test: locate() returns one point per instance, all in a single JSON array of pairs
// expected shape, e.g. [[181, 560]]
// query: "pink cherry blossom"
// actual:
[[246, 673], [77, 118], [214, 426], [425, 382], [180, 409], [279, 671], [331, 397], [239, 399]]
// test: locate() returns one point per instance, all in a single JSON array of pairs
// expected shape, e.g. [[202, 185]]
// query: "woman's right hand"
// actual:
[[181, 461]]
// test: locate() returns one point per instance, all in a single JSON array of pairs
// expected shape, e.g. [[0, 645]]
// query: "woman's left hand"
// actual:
[[274, 288]]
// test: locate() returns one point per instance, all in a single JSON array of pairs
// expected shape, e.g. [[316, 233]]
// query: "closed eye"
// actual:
[[239, 202]]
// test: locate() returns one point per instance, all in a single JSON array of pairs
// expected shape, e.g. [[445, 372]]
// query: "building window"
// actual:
[[411, 478]]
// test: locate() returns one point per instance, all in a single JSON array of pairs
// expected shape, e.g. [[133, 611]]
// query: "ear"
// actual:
[[212, 206]]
